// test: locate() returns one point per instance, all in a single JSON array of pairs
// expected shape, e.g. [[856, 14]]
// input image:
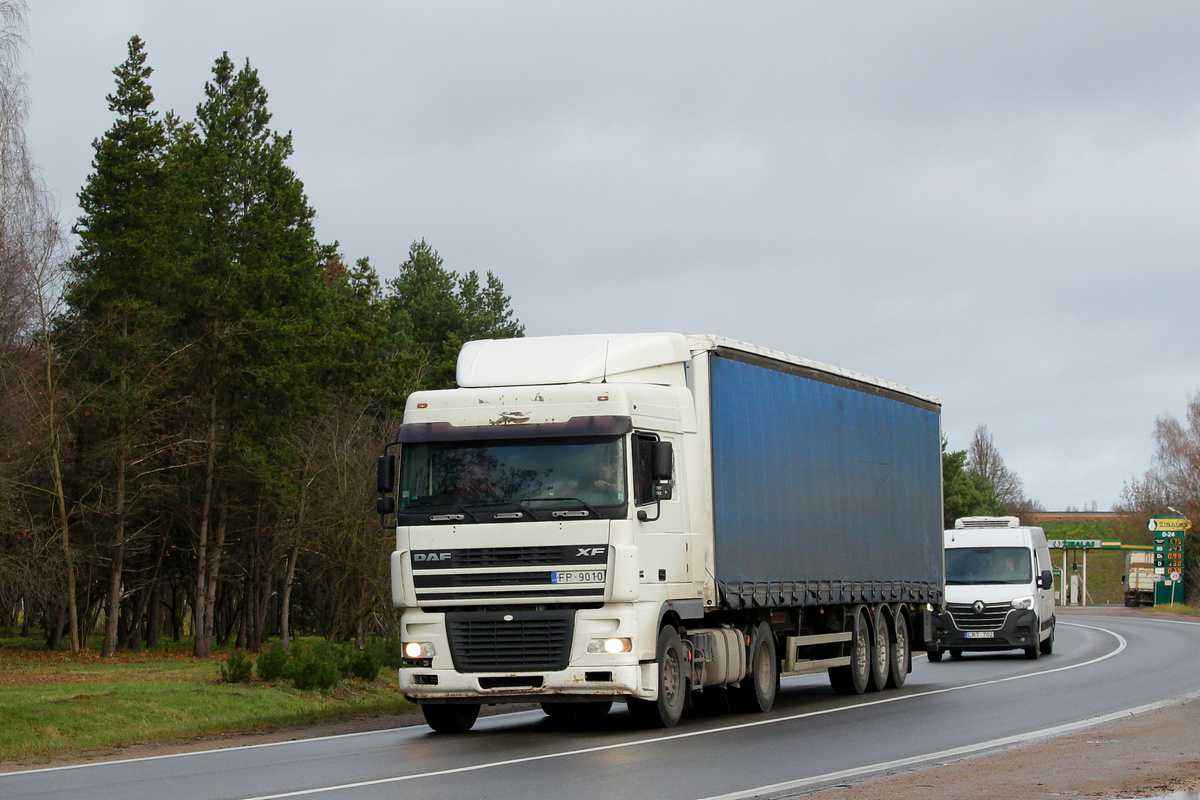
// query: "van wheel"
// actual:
[[672, 685], [934, 655], [451, 718], [1048, 645], [955, 652], [852, 679], [757, 692], [901, 654]]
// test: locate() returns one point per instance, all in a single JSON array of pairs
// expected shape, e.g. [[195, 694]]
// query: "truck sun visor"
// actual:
[[411, 432]]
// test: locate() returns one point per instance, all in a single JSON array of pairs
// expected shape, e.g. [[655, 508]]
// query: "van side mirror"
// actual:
[[1045, 580]]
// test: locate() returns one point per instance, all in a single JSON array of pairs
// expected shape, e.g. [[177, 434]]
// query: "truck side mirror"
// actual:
[[386, 478], [660, 461], [660, 469], [1045, 580]]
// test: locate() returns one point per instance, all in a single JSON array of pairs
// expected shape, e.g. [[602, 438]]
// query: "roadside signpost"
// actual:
[[1168, 557]]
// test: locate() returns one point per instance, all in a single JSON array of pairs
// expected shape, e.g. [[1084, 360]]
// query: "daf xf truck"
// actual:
[[658, 518]]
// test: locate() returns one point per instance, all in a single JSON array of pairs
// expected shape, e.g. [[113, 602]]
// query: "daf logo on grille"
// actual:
[[979, 607]]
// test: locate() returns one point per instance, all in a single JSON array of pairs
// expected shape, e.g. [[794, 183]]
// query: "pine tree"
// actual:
[[259, 311], [117, 320]]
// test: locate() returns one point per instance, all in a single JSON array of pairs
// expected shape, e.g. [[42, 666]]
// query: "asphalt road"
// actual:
[[1103, 667]]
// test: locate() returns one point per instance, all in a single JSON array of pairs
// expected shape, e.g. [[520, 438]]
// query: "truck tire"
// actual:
[[853, 679], [451, 718], [757, 691], [901, 652], [881, 654], [665, 711]]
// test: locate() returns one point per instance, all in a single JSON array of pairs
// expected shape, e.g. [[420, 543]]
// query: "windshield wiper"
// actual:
[[521, 511], [463, 514], [583, 503]]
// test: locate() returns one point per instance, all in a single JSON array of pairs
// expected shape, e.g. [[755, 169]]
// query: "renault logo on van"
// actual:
[[979, 607]]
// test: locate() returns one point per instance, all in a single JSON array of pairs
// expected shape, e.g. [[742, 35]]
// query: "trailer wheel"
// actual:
[[757, 692], [456, 718], [672, 685], [853, 679], [881, 654], [901, 652]]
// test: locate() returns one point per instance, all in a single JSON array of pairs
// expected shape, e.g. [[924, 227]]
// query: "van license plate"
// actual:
[[578, 576], [981, 634]]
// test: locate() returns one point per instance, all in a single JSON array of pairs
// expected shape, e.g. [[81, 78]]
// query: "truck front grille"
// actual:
[[991, 619], [559, 574], [517, 641]]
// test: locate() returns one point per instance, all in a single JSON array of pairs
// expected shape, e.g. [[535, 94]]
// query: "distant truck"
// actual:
[[1139, 578], [658, 518], [999, 589]]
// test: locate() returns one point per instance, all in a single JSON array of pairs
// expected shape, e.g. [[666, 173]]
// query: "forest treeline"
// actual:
[[195, 393]]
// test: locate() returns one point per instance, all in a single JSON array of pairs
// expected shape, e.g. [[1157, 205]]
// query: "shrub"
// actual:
[[237, 669], [387, 649], [312, 673], [363, 664], [318, 667], [272, 664]]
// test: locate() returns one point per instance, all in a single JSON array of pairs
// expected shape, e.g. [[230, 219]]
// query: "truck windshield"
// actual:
[[971, 565], [517, 479]]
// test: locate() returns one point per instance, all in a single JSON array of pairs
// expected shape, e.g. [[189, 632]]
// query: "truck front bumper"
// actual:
[[593, 683]]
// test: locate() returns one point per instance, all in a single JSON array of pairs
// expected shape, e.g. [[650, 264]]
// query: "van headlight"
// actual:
[[1023, 603]]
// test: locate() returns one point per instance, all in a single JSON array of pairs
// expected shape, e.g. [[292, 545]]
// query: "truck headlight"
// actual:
[[1022, 603], [419, 651], [610, 646]]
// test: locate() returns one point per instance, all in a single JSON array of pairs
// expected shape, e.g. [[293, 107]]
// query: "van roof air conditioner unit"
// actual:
[[987, 522]]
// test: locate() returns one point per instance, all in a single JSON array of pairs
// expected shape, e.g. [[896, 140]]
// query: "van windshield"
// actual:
[[971, 565]]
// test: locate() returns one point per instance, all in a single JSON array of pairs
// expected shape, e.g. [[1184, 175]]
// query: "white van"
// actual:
[[999, 589]]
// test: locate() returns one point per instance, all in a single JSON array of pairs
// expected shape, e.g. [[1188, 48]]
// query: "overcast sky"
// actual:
[[993, 203]]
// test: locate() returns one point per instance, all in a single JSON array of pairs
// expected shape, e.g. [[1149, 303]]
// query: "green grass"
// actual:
[[57, 704]]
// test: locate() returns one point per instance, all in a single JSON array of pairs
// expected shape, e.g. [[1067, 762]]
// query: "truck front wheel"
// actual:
[[456, 718], [665, 711]]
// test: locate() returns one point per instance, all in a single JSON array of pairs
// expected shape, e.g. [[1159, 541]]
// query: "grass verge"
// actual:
[[57, 704]]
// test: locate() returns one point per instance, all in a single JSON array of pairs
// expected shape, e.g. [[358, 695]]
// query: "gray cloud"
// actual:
[[995, 203]]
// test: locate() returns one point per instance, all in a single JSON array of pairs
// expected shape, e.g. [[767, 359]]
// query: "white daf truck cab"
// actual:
[[999, 589]]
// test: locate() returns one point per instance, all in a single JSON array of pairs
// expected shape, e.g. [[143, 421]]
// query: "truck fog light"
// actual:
[[610, 646], [1021, 603], [416, 651]]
